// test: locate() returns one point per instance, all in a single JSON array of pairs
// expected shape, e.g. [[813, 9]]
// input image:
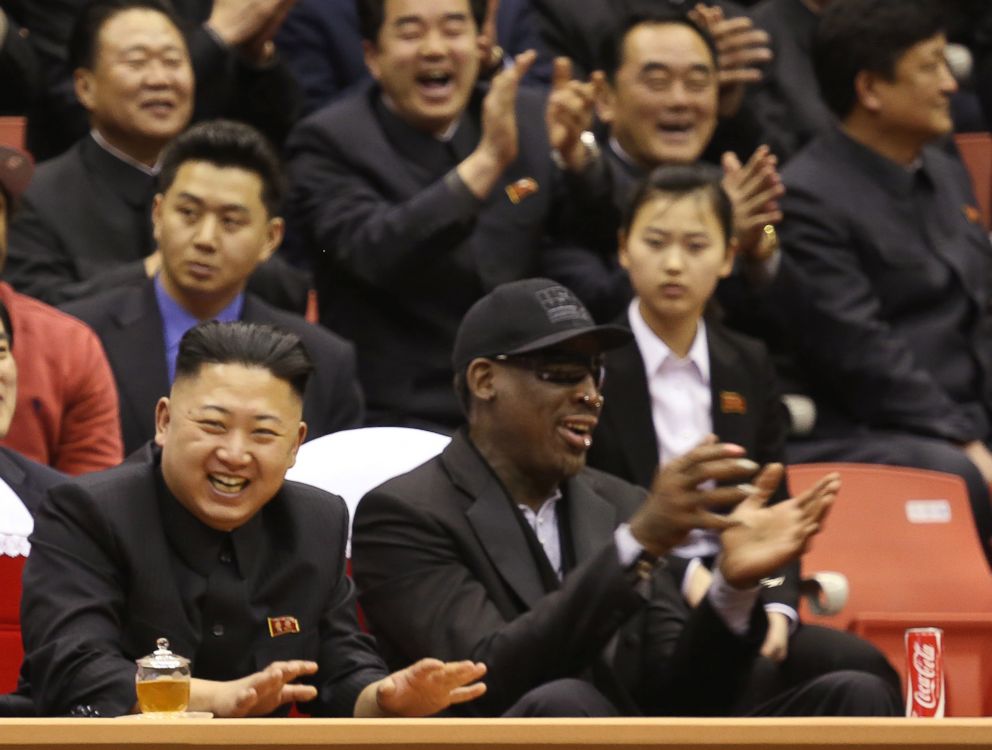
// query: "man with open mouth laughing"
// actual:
[[507, 549], [203, 542], [426, 188]]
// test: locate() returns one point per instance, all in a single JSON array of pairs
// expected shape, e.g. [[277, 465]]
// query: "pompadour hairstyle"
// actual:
[[249, 344]]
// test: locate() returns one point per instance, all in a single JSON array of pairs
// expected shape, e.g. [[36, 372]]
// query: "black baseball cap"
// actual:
[[16, 168], [526, 316]]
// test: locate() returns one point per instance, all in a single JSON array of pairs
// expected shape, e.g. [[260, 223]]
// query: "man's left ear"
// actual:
[[274, 232], [300, 437], [728, 262], [162, 419]]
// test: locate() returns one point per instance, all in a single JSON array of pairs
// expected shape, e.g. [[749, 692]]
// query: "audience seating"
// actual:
[[351, 462], [11, 652], [906, 541], [976, 152]]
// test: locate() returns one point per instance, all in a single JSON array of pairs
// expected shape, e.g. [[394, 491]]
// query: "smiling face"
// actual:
[[916, 102], [675, 253], [8, 382], [213, 230], [139, 92], [228, 436], [662, 104], [426, 59], [538, 422]]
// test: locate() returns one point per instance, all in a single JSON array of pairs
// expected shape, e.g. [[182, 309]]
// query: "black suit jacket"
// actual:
[[787, 102], [226, 86], [746, 410], [28, 479], [896, 329], [129, 325], [445, 568], [84, 227], [116, 562], [19, 70], [401, 248]]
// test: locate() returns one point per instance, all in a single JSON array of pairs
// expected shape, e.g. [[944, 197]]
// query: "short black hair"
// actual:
[[226, 143], [91, 18], [8, 327], [611, 49], [680, 180], [867, 35], [250, 344], [372, 13]]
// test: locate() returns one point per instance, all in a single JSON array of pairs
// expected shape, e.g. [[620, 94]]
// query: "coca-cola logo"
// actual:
[[925, 666]]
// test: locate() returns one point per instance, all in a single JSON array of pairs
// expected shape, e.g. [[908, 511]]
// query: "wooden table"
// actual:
[[501, 734]]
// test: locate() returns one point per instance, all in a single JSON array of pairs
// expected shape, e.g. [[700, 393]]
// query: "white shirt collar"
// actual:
[[16, 523], [655, 352]]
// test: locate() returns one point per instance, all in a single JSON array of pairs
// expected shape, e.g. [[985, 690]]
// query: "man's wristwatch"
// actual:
[[588, 140]]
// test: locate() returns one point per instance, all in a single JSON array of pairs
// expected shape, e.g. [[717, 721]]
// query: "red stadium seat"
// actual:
[[12, 131], [11, 652], [976, 152], [906, 541]]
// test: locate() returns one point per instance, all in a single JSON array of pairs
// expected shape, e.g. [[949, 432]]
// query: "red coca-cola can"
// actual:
[[925, 672]]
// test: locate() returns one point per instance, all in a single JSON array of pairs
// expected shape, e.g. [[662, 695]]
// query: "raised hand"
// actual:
[[754, 189], [489, 51], [499, 144], [571, 106], [763, 538], [741, 50], [429, 686], [676, 503], [249, 24]]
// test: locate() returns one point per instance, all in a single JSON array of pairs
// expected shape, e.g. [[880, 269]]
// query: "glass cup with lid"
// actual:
[[162, 681]]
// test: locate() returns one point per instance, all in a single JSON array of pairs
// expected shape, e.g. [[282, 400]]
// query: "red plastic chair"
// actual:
[[907, 543]]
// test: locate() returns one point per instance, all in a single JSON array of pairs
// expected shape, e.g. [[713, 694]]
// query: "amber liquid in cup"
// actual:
[[163, 695]]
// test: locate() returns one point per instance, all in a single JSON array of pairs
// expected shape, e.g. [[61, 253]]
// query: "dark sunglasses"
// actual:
[[560, 370]]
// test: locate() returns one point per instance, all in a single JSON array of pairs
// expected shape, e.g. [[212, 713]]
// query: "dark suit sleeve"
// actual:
[[419, 593], [266, 97], [321, 44], [854, 354], [19, 70], [348, 659], [72, 610], [706, 662], [770, 448], [378, 237]]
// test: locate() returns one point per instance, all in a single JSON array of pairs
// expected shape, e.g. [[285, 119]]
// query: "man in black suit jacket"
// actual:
[[896, 331], [237, 74], [416, 195], [85, 224], [215, 221], [507, 549], [201, 541]]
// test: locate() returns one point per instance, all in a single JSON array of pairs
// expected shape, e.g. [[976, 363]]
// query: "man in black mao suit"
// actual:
[[85, 222], [417, 194], [201, 541], [896, 338], [215, 222], [507, 549], [237, 76]]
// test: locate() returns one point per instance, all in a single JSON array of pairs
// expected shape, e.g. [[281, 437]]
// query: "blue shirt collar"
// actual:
[[176, 320]]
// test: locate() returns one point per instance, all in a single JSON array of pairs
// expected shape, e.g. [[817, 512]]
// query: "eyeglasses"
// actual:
[[559, 370]]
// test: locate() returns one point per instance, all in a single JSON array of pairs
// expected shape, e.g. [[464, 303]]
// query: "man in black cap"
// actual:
[[508, 550]]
